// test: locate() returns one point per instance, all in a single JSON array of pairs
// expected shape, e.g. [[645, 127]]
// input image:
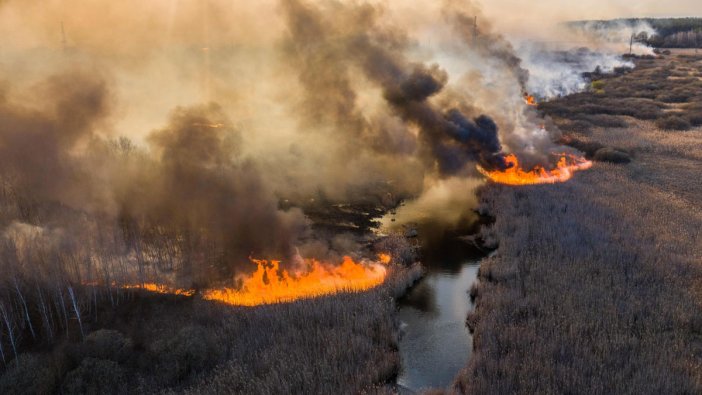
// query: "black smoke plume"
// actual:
[[449, 138]]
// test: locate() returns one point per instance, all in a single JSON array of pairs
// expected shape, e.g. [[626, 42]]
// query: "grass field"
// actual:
[[597, 283]]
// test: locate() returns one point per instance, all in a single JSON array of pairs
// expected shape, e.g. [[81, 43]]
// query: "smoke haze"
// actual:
[[187, 122]]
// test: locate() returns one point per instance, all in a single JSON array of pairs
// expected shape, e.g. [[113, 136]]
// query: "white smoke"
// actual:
[[558, 72]]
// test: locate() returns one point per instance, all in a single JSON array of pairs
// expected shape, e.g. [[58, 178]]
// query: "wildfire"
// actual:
[[162, 289], [529, 99], [271, 284], [515, 175]]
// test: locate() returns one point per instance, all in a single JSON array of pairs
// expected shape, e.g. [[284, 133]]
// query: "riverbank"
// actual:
[[597, 285]]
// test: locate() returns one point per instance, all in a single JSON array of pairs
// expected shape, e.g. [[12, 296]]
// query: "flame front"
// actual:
[[161, 289], [270, 284], [529, 100], [515, 175]]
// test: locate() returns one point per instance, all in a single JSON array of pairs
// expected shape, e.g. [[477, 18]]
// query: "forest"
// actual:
[[668, 32]]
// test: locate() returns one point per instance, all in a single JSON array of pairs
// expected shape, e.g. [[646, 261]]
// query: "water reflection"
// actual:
[[436, 344]]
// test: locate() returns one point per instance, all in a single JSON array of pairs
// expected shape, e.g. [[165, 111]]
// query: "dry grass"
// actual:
[[597, 284], [667, 89], [341, 344]]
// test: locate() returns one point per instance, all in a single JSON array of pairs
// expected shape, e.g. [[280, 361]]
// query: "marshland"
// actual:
[[362, 197]]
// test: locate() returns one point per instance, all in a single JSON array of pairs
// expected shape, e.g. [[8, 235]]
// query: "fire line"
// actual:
[[515, 175], [270, 283]]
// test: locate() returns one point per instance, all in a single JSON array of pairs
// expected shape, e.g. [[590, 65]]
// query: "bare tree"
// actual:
[[26, 309], [76, 309], [6, 317], [45, 314]]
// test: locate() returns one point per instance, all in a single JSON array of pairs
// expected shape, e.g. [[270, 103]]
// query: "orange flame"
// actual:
[[160, 288], [384, 258], [270, 284], [529, 100], [515, 175]]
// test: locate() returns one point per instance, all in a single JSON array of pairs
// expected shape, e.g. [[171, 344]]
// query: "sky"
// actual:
[[509, 14]]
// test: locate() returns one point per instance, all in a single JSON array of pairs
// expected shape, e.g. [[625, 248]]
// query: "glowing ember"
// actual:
[[162, 289], [529, 99], [270, 284], [515, 175]]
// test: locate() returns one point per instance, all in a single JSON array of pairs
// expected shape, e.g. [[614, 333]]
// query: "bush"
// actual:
[[401, 251], [604, 120], [95, 376], [693, 113], [609, 154], [28, 374], [192, 349], [695, 119], [587, 147], [105, 344], [598, 85], [673, 122], [579, 126]]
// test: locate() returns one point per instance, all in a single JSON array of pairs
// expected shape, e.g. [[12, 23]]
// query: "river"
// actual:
[[435, 344]]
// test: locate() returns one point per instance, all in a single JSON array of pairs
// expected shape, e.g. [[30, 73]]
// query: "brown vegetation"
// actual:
[[667, 90], [343, 343], [596, 285]]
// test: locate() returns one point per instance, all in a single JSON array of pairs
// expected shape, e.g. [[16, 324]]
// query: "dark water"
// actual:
[[436, 344]]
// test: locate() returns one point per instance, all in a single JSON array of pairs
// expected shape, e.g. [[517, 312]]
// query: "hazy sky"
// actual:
[[589, 9]]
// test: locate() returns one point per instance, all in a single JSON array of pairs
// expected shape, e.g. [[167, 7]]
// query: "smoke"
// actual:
[[177, 133], [38, 143], [614, 35], [450, 138], [559, 72], [202, 182], [444, 202]]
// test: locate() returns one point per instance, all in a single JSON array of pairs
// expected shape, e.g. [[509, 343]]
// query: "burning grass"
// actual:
[[592, 290], [666, 90], [271, 284], [515, 175], [169, 341]]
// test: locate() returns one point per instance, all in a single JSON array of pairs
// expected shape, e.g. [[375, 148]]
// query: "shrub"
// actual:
[[192, 349], [693, 113], [598, 85], [105, 344], [695, 118], [28, 374], [673, 122], [604, 120], [609, 154], [580, 126], [95, 376], [587, 147], [402, 252]]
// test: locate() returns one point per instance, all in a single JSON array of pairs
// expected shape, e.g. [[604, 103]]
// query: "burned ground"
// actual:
[[596, 283]]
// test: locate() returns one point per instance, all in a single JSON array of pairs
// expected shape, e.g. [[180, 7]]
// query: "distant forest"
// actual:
[[670, 32]]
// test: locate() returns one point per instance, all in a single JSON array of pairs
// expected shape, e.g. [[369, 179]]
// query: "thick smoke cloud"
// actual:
[[190, 183], [37, 143], [449, 138], [319, 102], [203, 183]]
